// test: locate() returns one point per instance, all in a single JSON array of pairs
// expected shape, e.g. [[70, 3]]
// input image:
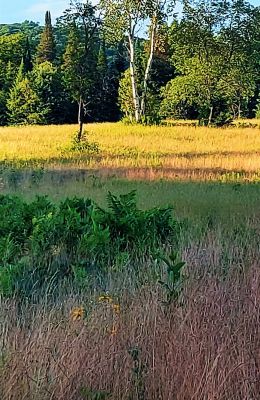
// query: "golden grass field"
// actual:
[[204, 346], [173, 152]]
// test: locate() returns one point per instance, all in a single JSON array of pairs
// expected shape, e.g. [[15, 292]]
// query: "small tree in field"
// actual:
[[79, 58]]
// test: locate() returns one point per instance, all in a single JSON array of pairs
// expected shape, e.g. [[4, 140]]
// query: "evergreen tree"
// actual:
[[47, 84], [125, 98], [102, 85], [3, 116], [111, 64], [23, 102], [8, 74], [120, 60], [20, 73], [27, 58], [102, 64], [46, 49]]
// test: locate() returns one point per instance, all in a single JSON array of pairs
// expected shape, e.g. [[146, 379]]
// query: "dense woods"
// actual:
[[133, 60]]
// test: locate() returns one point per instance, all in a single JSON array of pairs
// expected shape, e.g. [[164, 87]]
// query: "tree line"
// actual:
[[133, 59]]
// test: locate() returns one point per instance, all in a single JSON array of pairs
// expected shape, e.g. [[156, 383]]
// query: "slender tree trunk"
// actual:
[[148, 65], [233, 111], [133, 78], [239, 108], [80, 119], [210, 115]]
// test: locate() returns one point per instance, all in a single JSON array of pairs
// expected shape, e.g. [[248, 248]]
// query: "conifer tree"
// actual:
[[102, 65], [106, 104], [46, 50], [47, 84], [27, 58], [20, 73], [23, 102], [102, 84]]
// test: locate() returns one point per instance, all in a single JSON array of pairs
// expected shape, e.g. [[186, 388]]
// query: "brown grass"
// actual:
[[205, 347]]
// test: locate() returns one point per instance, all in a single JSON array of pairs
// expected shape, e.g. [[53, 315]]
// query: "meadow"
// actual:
[[111, 334], [173, 152]]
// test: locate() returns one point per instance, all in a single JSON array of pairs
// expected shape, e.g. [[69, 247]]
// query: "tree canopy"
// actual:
[[127, 58]]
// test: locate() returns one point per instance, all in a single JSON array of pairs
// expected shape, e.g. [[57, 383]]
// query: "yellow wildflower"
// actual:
[[105, 298], [116, 308], [77, 313]]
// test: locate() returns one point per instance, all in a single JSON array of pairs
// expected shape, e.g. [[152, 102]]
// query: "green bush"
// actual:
[[42, 241]]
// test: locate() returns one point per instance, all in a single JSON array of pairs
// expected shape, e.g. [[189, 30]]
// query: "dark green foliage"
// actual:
[[27, 58], [23, 104], [131, 226], [11, 52], [46, 80], [42, 241], [82, 145], [16, 217], [80, 57], [257, 109], [173, 281], [205, 66], [29, 29], [104, 105], [215, 61], [46, 49], [3, 114]]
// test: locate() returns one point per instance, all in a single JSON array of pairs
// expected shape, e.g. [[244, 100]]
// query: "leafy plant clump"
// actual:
[[82, 145], [172, 283], [42, 241]]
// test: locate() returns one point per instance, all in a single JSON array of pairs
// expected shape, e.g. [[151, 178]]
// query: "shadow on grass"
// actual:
[[74, 159]]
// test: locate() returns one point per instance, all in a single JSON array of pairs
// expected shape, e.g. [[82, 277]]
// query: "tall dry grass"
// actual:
[[205, 347], [146, 152]]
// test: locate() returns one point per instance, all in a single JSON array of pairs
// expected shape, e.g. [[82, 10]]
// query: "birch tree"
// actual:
[[126, 19]]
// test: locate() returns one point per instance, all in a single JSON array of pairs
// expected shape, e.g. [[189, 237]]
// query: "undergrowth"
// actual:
[[42, 242]]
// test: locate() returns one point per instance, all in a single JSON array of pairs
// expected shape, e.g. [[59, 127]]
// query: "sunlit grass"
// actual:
[[208, 332], [138, 152]]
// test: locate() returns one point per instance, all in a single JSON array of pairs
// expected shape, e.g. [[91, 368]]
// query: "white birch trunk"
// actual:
[[148, 65], [80, 118], [136, 101], [210, 115]]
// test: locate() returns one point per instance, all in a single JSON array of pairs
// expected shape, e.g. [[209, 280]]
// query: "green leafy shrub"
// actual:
[[42, 241], [132, 227], [82, 145]]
